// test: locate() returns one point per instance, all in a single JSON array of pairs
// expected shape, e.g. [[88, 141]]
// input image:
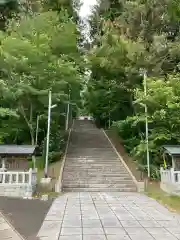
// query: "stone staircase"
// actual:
[[92, 164]]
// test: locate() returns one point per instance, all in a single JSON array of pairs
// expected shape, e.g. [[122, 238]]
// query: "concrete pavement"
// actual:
[[7, 231], [109, 216]]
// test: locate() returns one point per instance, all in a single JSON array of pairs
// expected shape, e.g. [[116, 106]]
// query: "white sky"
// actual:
[[86, 7]]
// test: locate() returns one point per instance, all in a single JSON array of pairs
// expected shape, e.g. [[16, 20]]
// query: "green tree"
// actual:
[[38, 53]]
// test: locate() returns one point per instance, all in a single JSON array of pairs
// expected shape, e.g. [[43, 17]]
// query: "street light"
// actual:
[[146, 121], [48, 133]]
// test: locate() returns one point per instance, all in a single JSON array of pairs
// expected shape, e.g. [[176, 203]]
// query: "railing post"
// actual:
[[3, 177], [30, 176], [23, 177], [172, 175], [17, 177], [178, 177], [10, 178], [161, 173]]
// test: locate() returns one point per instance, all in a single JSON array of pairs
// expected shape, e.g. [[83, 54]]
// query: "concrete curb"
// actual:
[[59, 183], [18, 235], [122, 160]]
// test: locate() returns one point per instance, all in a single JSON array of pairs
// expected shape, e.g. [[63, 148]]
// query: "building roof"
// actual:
[[172, 149], [12, 150]]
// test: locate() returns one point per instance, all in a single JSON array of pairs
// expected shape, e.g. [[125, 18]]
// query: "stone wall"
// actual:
[[16, 190]]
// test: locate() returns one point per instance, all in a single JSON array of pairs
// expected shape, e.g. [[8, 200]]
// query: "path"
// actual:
[[25, 215], [109, 216], [7, 231]]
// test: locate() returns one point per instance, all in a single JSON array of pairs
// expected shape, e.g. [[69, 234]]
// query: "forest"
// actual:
[[42, 49], [130, 37], [38, 52]]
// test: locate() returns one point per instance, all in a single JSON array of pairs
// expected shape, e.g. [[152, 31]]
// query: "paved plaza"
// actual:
[[109, 216]]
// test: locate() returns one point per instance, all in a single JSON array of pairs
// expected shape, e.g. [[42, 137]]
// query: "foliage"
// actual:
[[130, 36], [38, 53]]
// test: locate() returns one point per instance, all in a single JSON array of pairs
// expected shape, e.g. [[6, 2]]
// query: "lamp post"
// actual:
[[144, 73], [147, 130], [67, 114], [50, 106]]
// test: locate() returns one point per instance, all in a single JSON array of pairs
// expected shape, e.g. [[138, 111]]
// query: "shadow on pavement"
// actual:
[[25, 215]]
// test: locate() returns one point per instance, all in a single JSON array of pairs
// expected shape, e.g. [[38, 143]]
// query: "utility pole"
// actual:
[[146, 117], [48, 132]]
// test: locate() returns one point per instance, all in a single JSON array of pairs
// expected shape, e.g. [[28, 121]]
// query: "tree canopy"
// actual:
[[128, 37], [38, 53]]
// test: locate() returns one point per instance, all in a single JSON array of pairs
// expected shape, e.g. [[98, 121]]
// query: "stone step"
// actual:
[[109, 179], [82, 154], [97, 167], [93, 161], [69, 182], [95, 175], [92, 164], [95, 172], [99, 189], [87, 185]]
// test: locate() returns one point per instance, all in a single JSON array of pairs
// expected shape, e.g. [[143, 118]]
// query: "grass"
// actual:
[[53, 173], [172, 202]]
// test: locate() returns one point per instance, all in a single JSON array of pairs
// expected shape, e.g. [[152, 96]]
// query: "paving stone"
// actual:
[[2, 220], [118, 237], [9, 234], [72, 223], [71, 231], [94, 237], [92, 223], [72, 237], [177, 235], [54, 217], [174, 230], [111, 223], [130, 223], [150, 223], [160, 231], [169, 237], [50, 228], [113, 231], [70, 217], [169, 224], [4, 226], [91, 217], [93, 231], [141, 236], [135, 230], [125, 217], [47, 238]]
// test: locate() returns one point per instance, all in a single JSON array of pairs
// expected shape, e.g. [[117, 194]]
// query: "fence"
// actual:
[[20, 178], [170, 176]]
